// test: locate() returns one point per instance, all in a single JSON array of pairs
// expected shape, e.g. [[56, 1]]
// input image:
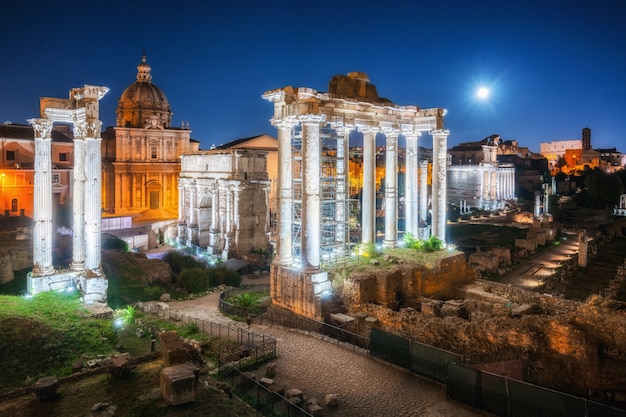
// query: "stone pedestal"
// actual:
[[179, 384], [46, 388], [93, 287], [299, 291]]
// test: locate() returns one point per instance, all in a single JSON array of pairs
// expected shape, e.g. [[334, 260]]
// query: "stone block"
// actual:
[[332, 400], [119, 366], [315, 410], [294, 392], [102, 409], [270, 370], [179, 384], [266, 382], [46, 388]]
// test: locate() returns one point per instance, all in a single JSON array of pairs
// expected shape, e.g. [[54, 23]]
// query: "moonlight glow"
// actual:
[[482, 93]]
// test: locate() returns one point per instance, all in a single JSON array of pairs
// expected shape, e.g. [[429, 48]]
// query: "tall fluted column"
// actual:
[[285, 191], [93, 196], [440, 144], [423, 193], [410, 185], [311, 195], [78, 201], [391, 189], [341, 206], [368, 194], [42, 210]]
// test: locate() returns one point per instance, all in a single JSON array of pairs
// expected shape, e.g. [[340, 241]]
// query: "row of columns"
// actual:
[[87, 197], [226, 191], [497, 183], [311, 198]]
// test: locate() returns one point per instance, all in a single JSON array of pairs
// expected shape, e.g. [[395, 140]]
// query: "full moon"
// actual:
[[482, 93]]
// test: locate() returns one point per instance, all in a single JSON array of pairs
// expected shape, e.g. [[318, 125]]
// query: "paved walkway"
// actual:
[[535, 270], [365, 386]]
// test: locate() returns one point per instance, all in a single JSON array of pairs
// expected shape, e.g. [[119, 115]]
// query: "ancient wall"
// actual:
[[574, 347], [14, 259], [389, 287], [295, 291]]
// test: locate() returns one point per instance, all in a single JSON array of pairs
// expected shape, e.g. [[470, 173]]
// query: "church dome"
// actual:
[[143, 104]]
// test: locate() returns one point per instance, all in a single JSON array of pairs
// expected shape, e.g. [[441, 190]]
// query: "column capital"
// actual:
[[390, 131], [311, 118], [440, 132], [42, 128], [80, 129], [368, 128], [284, 123], [93, 128]]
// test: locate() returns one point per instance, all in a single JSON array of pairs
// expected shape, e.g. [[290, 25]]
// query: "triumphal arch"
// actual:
[[313, 138], [81, 110]]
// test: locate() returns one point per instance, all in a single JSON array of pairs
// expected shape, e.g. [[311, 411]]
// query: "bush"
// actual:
[[115, 243], [179, 261], [195, 280]]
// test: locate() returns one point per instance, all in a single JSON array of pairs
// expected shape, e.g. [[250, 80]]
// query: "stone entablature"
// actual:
[[224, 201]]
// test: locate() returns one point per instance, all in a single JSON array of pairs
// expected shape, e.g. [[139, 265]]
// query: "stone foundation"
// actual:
[[92, 285], [299, 291]]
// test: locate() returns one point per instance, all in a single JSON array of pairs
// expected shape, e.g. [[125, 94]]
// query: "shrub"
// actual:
[[115, 243], [194, 280], [179, 261]]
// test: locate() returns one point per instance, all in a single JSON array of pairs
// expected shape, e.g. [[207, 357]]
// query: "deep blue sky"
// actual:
[[554, 67]]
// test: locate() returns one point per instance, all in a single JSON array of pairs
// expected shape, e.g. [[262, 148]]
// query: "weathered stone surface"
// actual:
[[179, 383], [294, 392], [332, 400], [270, 370], [46, 388], [314, 409], [102, 409], [119, 366], [266, 382], [172, 350]]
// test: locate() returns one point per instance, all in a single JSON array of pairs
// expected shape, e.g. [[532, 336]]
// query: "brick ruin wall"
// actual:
[[571, 346]]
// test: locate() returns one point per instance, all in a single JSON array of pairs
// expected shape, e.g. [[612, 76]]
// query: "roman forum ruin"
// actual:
[[82, 111], [313, 220]]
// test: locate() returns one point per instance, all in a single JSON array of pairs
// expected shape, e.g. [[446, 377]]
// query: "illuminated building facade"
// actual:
[[224, 199], [17, 170], [478, 179], [141, 154]]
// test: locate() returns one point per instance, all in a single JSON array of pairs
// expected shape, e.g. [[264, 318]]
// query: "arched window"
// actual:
[[14, 205]]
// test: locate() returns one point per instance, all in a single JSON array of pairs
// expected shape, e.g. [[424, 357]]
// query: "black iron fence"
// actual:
[[256, 347], [332, 332], [238, 310], [267, 401], [511, 398]]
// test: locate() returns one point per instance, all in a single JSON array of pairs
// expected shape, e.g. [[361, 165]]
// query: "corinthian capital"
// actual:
[[42, 128], [93, 128], [311, 118], [80, 129], [284, 123]]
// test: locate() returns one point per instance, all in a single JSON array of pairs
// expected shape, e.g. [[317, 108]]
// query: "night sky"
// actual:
[[553, 67]]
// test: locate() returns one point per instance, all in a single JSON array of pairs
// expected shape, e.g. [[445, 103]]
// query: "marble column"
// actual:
[[341, 205], [423, 193], [391, 189], [368, 193], [440, 144], [42, 210], [93, 196], [78, 201], [311, 191], [410, 185], [284, 242], [182, 226]]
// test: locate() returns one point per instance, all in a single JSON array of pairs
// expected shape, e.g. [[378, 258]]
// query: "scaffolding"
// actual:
[[335, 200]]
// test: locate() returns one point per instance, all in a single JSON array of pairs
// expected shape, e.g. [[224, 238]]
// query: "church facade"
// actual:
[[141, 153]]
